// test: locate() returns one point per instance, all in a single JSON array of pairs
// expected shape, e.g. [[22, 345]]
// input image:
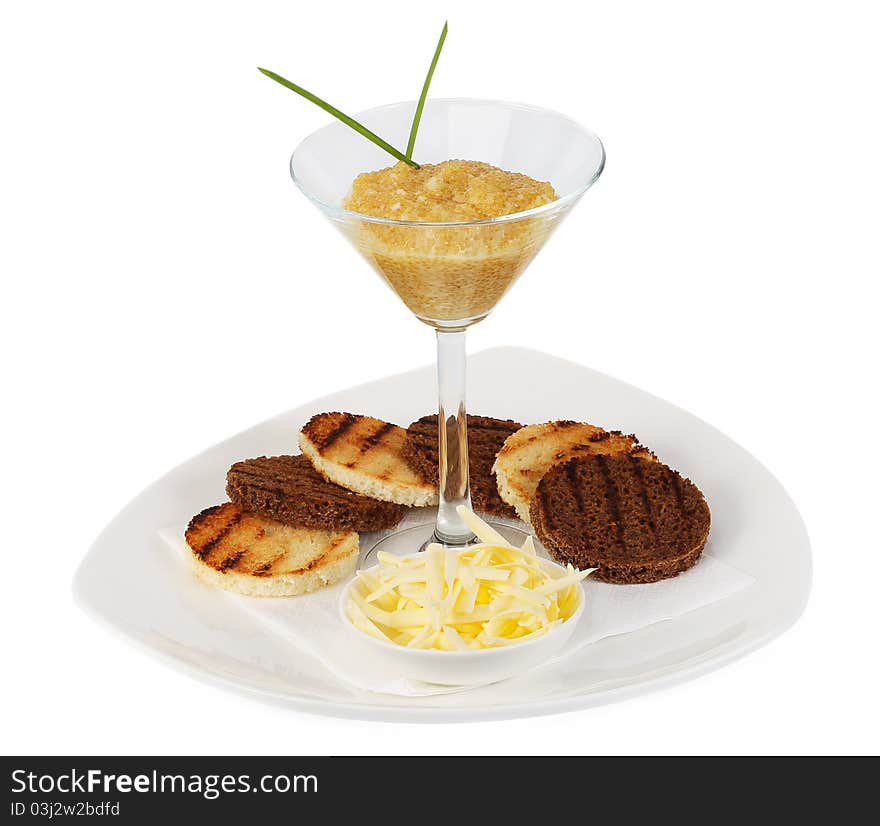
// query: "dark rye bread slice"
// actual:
[[633, 519], [530, 452], [288, 489], [485, 438]]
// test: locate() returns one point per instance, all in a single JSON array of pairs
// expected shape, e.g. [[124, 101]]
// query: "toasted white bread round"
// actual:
[[365, 455], [252, 555], [530, 452]]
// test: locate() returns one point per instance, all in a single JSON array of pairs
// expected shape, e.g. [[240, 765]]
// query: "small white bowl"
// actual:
[[466, 667]]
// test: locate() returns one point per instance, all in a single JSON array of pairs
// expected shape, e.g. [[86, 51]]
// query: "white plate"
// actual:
[[131, 582]]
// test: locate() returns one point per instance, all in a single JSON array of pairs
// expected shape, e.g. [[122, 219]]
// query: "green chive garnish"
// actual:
[[350, 121], [421, 104]]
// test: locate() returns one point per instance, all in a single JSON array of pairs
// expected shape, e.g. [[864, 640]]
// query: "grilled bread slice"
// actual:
[[365, 455], [485, 438], [252, 555], [530, 452], [290, 490], [632, 519]]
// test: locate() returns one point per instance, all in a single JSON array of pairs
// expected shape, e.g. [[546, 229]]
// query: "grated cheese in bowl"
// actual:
[[486, 596]]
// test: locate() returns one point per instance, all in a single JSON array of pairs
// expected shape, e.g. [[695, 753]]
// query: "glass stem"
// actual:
[[452, 430]]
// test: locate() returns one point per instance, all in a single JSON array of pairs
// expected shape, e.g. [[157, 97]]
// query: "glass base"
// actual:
[[417, 538]]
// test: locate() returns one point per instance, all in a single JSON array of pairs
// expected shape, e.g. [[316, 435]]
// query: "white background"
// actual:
[[165, 286]]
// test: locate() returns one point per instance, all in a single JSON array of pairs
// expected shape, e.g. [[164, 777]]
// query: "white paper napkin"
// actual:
[[312, 622]]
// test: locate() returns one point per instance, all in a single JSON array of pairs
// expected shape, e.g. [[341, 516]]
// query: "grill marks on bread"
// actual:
[[218, 523], [643, 492], [531, 451], [290, 490], [634, 519], [485, 438], [227, 538], [251, 554], [376, 438], [331, 428], [365, 455]]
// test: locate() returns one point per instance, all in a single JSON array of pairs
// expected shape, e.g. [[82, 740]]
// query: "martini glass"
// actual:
[[451, 274]]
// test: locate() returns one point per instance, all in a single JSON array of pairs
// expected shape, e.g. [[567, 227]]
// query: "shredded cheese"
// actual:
[[484, 596]]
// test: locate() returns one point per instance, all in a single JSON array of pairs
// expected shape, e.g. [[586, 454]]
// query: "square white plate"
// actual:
[[130, 581]]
